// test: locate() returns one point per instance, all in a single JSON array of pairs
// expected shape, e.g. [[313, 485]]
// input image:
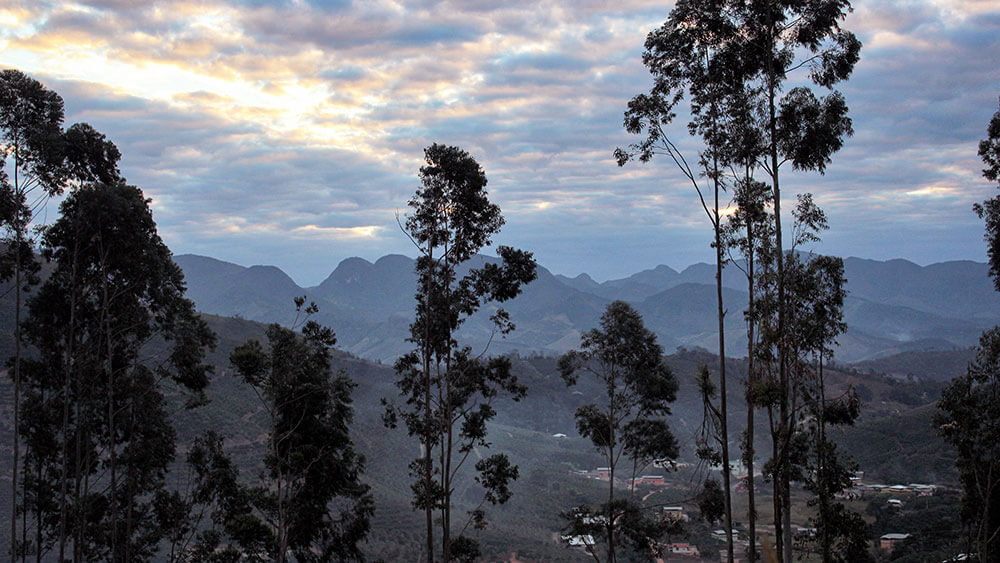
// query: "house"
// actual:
[[604, 473], [721, 534], [674, 514], [739, 554], [888, 541], [579, 541], [681, 550], [668, 464], [648, 480], [599, 519], [895, 503], [559, 435]]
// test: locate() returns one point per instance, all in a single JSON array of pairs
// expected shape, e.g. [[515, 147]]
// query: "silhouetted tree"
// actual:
[[969, 409], [450, 391], [311, 501], [777, 38], [30, 126], [969, 418], [989, 210], [711, 501], [629, 423], [688, 56], [44, 160], [749, 227], [817, 319], [732, 58], [113, 290]]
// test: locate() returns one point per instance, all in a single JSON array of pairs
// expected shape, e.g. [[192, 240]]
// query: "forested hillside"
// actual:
[[895, 442]]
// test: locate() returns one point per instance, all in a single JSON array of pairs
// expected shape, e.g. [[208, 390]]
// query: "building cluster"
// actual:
[[688, 552]]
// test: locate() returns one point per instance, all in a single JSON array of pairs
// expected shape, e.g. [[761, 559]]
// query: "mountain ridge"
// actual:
[[892, 306]]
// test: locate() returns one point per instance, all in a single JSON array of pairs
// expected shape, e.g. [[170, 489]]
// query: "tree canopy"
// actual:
[[628, 425], [449, 391]]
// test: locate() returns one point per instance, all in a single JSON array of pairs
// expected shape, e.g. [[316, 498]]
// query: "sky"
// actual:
[[290, 132]]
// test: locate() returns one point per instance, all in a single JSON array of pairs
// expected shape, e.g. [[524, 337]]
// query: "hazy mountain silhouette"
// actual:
[[893, 306]]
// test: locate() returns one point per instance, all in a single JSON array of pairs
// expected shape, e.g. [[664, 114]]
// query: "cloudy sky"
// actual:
[[290, 133]]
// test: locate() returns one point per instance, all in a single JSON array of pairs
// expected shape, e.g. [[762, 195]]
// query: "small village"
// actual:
[[896, 496]]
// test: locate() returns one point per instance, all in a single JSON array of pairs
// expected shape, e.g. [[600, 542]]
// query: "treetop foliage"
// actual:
[[628, 423], [446, 386], [989, 149], [451, 210], [31, 118], [730, 58], [989, 210]]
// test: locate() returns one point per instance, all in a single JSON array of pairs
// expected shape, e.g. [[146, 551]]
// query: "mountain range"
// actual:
[[892, 306]]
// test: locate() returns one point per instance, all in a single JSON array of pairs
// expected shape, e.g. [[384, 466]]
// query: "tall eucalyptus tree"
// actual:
[[752, 49], [449, 391], [111, 326], [44, 160], [627, 424], [688, 55]]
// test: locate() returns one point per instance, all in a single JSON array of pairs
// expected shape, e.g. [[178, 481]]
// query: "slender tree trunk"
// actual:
[[446, 412], [751, 382], [612, 556], [782, 481], [130, 476], [824, 482], [77, 474], [17, 379], [82, 511], [779, 536], [68, 364], [610, 524], [723, 409], [786, 493], [446, 463], [282, 531], [38, 514], [112, 430], [24, 510], [442, 448], [428, 462]]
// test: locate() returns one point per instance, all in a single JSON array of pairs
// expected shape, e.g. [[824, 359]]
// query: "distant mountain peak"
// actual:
[[892, 306], [393, 260], [350, 270]]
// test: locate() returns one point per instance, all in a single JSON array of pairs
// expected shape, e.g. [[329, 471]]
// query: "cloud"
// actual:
[[292, 131]]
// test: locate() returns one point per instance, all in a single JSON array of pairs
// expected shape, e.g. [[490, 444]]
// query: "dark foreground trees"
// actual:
[[309, 501], [969, 409], [969, 418], [817, 285], [42, 160], [449, 390], [684, 58], [112, 328], [733, 60], [628, 428], [989, 210]]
